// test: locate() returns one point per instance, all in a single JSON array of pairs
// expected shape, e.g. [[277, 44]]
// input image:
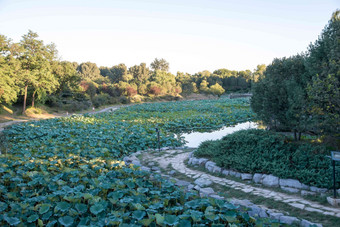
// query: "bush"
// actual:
[[100, 100], [259, 151]]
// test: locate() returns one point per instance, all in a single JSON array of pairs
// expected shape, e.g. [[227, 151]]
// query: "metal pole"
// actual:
[[334, 187]]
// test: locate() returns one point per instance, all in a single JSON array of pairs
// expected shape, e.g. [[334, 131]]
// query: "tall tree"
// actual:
[[160, 64], [36, 65], [279, 99], [323, 64], [140, 73], [9, 70], [88, 70]]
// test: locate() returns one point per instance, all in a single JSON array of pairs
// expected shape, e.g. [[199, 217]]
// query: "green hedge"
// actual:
[[259, 151]]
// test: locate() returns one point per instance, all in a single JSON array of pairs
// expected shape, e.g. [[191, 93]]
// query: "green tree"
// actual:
[[323, 64], [160, 64], [279, 99], [140, 73], [258, 72], [9, 69], [88, 70], [216, 89], [36, 67], [204, 86]]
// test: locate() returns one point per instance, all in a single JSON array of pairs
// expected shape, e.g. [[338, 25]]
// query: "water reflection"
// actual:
[[194, 139]]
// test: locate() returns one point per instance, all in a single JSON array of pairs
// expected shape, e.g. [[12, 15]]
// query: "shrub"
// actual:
[[259, 151], [100, 100]]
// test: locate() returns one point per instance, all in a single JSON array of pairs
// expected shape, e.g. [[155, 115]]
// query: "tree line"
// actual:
[[302, 92], [31, 72]]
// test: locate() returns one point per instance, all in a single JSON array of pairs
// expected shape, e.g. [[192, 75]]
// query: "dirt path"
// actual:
[[107, 109]]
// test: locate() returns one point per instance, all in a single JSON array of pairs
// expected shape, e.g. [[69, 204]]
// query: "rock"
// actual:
[[138, 153], [172, 172], [305, 223], [209, 165], [126, 159], [246, 176], [190, 187], [288, 220], [225, 172], [333, 202], [263, 214], [155, 168], [290, 183], [257, 178], [254, 210], [144, 168], [202, 161], [191, 154], [270, 181], [243, 202], [136, 163], [207, 191], [291, 190], [182, 183], [275, 215], [165, 148], [202, 182], [235, 174], [197, 188], [151, 163], [304, 193], [318, 190], [216, 169], [216, 196], [190, 161], [194, 161], [305, 187]]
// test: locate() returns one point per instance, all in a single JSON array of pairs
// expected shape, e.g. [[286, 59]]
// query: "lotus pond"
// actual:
[[67, 171]]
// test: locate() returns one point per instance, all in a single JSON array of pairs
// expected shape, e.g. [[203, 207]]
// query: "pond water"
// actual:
[[194, 139]]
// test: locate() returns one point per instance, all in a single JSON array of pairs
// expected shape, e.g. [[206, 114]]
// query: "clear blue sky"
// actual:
[[192, 35]]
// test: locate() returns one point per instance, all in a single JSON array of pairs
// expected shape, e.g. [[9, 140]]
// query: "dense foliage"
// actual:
[[65, 171], [260, 151], [302, 93], [31, 72]]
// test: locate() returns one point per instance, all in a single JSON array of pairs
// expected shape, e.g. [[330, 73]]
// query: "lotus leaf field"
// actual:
[[68, 171]]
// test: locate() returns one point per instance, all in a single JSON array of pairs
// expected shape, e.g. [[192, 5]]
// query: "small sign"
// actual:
[[336, 155]]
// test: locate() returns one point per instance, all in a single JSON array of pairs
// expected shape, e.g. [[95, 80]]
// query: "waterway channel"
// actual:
[[195, 138]]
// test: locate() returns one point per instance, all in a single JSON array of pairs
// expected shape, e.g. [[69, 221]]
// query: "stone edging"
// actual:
[[288, 185], [252, 209]]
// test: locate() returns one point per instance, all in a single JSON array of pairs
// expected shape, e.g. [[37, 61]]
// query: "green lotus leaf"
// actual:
[[40, 223], [196, 215], [184, 223], [138, 214], [97, 208], [12, 220], [81, 208], [63, 206], [32, 218], [146, 222], [171, 220], [51, 223], [138, 206], [3, 206], [159, 219], [66, 221], [44, 208], [47, 215]]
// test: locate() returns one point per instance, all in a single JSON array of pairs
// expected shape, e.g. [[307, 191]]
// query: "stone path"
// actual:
[[177, 162]]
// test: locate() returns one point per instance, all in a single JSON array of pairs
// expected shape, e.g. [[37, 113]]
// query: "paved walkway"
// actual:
[[177, 162]]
